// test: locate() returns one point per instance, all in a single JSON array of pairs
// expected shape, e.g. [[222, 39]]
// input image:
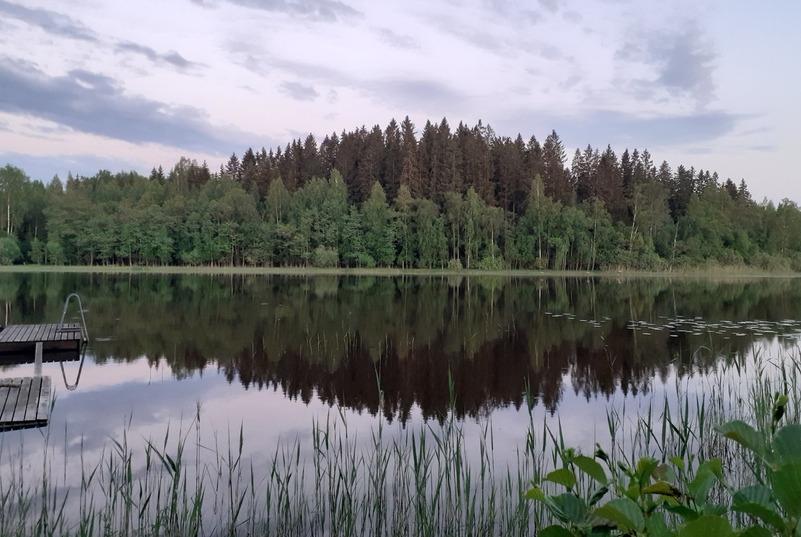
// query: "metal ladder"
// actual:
[[69, 386]]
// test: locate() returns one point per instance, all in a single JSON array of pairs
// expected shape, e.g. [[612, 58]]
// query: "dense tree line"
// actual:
[[446, 198]]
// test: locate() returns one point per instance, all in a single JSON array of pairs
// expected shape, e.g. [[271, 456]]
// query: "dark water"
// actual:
[[332, 338], [273, 352]]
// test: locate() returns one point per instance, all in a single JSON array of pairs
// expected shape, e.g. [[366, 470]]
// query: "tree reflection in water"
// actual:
[[331, 336]]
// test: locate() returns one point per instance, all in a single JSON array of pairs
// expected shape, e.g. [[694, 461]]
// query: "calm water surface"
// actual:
[[273, 353]]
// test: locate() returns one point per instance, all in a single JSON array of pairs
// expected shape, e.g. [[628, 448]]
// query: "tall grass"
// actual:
[[434, 478]]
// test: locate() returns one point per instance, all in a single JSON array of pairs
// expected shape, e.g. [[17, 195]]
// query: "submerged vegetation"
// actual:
[[466, 198], [433, 478]]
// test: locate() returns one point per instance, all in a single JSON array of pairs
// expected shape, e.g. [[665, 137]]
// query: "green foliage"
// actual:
[[455, 264], [9, 250], [491, 263], [37, 251], [467, 195], [325, 257], [379, 233], [667, 499]]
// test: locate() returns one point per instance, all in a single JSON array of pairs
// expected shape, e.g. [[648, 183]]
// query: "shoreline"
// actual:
[[700, 272]]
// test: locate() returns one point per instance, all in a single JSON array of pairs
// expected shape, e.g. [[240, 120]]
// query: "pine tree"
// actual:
[[392, 160], [410, 171], [554, 175]]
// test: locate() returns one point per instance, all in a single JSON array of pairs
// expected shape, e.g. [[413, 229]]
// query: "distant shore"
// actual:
[[704, 272]]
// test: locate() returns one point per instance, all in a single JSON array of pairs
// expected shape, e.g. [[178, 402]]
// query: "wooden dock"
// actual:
[[21, 339], [24, 402]]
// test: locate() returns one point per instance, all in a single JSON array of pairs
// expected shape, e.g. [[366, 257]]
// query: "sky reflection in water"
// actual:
[[272, 354]]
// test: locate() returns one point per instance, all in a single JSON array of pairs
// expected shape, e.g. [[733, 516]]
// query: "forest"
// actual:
[[459, 199]]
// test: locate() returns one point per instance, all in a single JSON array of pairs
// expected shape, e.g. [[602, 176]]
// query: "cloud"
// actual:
[[409, 94], [50, 21], [170, 58], [500, 28], [316, 10], [619, 129], [517, 11], [63, 26], [124, 401], [473, 36], [762, 148], [45, 167], [299, 92], [96, 104], [405, 93], [550, 5], [397, 40], [256, 60], [681, 62]]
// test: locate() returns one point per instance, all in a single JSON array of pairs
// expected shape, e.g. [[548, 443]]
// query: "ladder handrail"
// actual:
[[80, 309], [83, 345], [72, 387]]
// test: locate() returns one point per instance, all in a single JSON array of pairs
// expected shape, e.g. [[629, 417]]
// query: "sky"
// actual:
[[119, 85]]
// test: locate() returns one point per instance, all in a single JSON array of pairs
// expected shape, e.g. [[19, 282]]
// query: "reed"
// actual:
[[433, 478]]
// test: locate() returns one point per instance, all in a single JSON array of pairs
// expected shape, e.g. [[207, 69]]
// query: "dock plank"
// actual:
[[21, 331], [9, 333], [29, 406], [26, 332], [8, 395], [4, 395], [36, 332], [13, 387], [33, 332], [43, 408]]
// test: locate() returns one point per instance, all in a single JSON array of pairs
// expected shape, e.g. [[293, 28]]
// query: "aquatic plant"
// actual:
[[433, 478]]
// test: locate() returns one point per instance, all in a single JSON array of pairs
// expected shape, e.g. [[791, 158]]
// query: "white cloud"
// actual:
[[201, 76]]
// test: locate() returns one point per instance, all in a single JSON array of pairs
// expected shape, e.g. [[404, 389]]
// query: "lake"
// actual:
[[272, 355]]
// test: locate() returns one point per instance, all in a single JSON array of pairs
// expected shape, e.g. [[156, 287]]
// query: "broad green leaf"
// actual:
[[787, 444], [757, 501], [715, 509], [655, 526], [663, 489], [743, 434], [707, 526], [716, 467], [539, 495], [704, 479], [683, 511], [756, 531], [645, 468], [786, 483], [555, 531], [534, 494], [563, 477], [574, 508], [678, 462], [600, 526], [592, 468], [624, 512]]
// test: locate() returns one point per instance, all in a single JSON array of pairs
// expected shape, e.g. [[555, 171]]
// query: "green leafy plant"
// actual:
[[676, 498]]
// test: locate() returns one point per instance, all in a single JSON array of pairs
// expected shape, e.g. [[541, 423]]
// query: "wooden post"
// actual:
[[37, 364]]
